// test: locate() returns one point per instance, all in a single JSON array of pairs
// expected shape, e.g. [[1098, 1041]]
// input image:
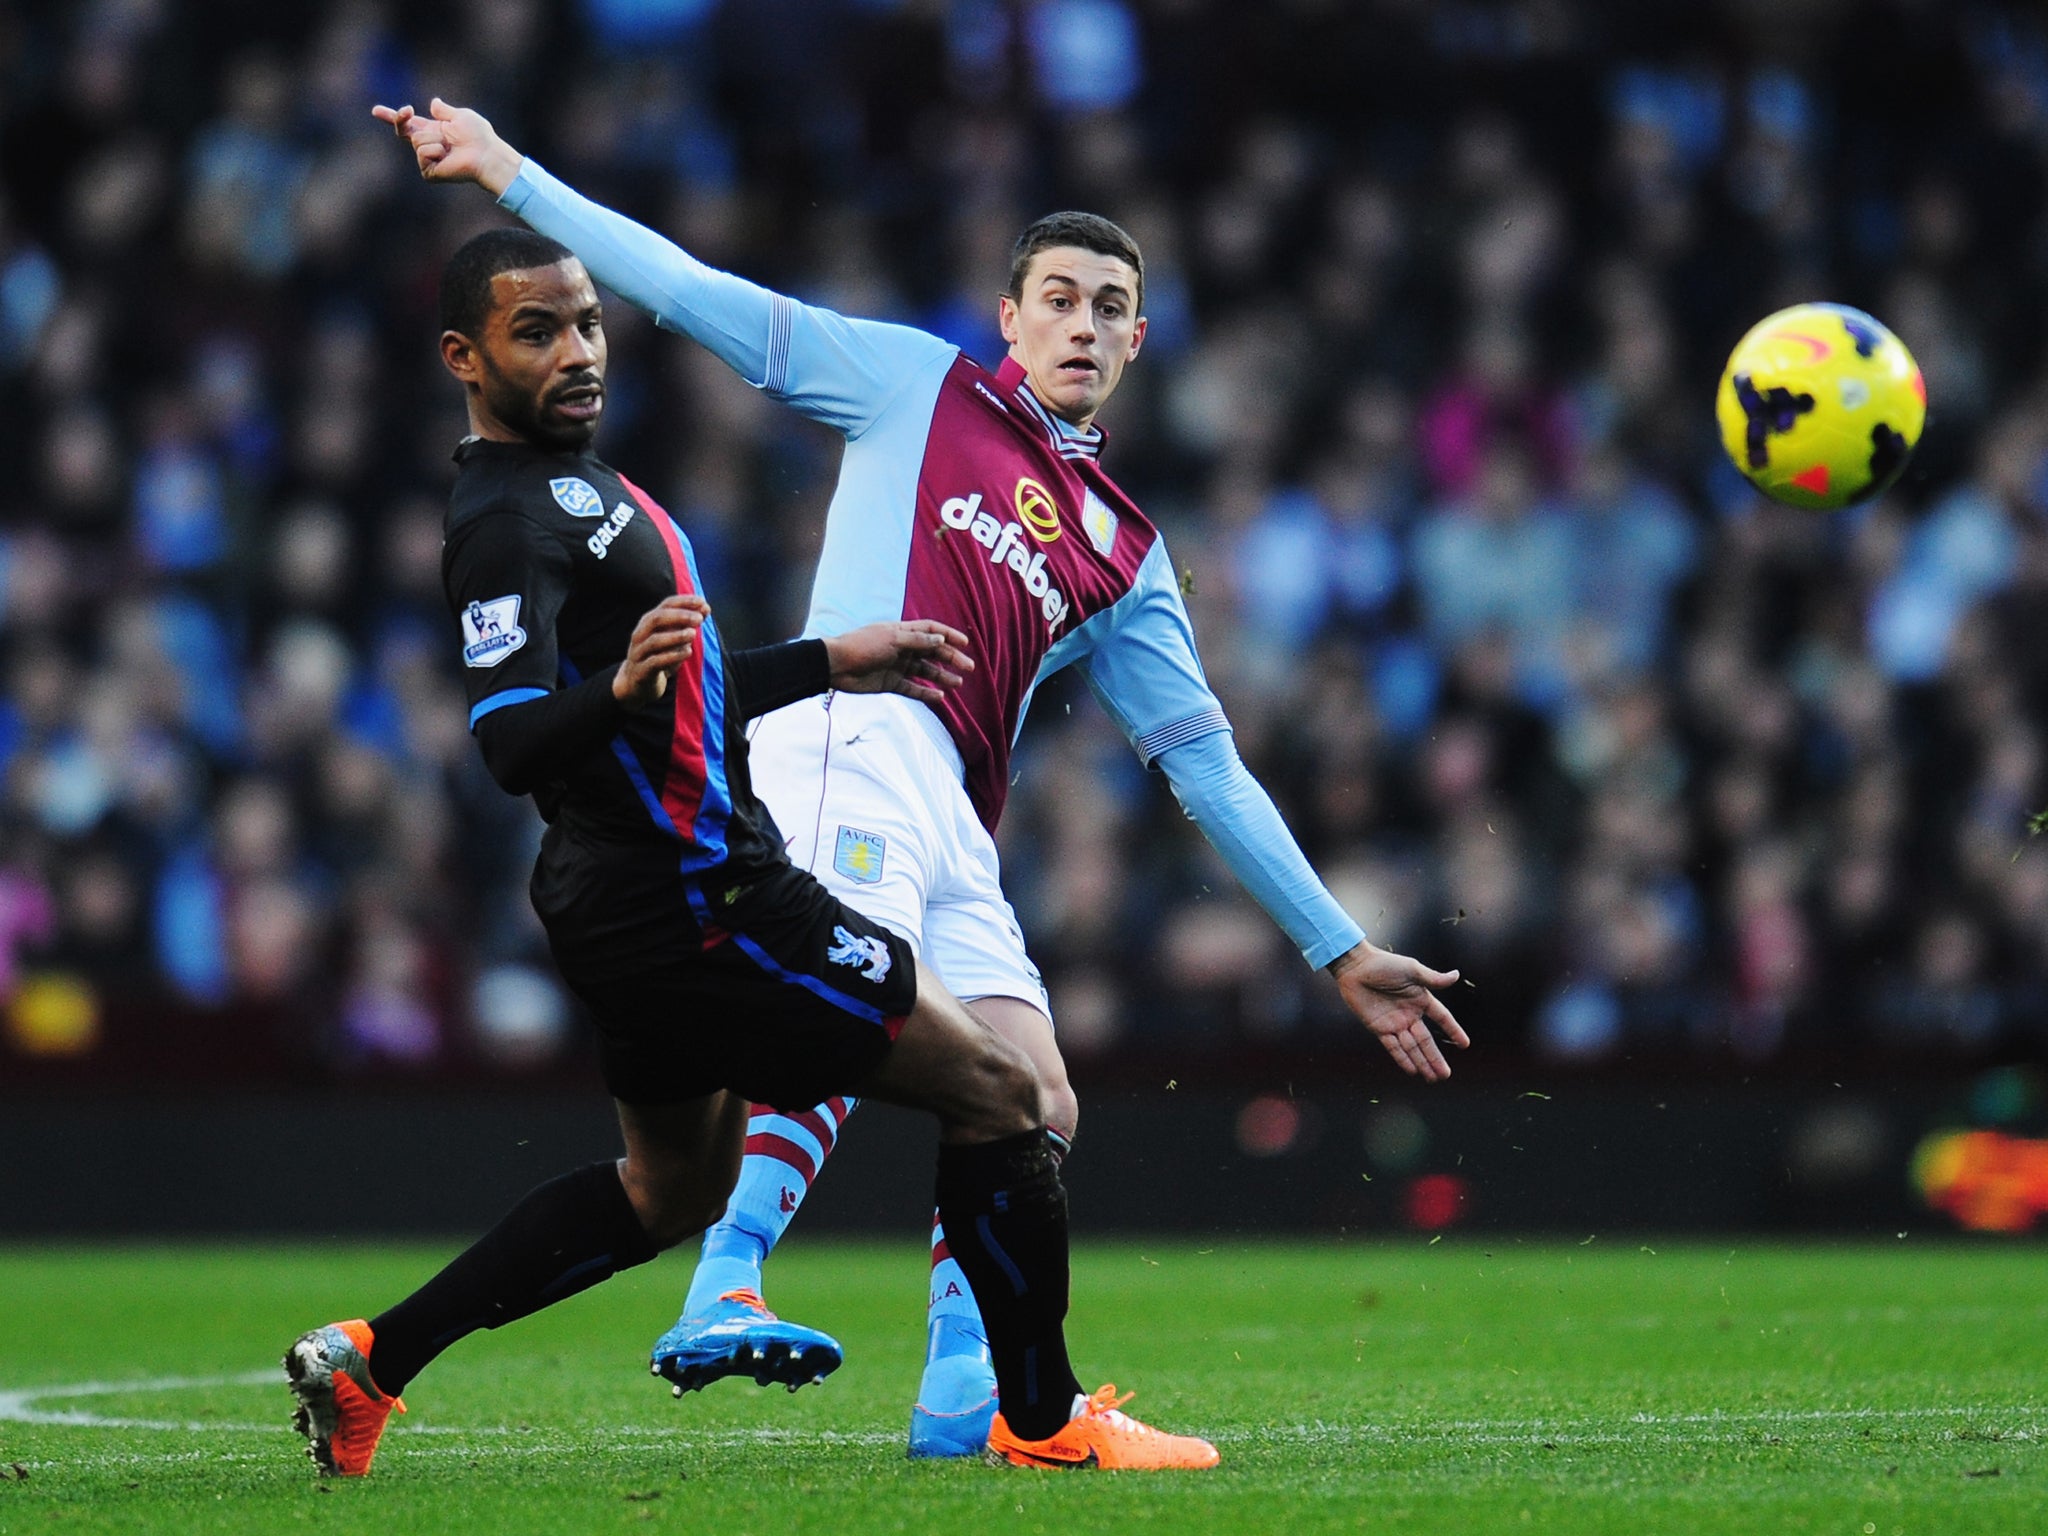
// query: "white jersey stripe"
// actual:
[[781, 316]]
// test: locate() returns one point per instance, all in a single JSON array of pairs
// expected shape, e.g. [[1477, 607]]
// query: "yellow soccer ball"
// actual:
[[1820, 406]]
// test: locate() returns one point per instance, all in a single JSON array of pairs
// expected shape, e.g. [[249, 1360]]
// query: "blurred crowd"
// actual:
[[1439, 293]]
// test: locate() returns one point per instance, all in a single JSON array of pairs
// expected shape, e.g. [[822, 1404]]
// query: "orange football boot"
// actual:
[[341, 1412], [1101, 1435]]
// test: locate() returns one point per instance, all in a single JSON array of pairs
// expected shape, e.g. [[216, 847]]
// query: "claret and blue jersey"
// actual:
[[962, 499]]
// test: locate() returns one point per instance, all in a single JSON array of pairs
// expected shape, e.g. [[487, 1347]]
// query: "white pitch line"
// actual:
[[499, 1444], [1719, 1416], [1714, 1428], [17, 1407], [1687, 1428]]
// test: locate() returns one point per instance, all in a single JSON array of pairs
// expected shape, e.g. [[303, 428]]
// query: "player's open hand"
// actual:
[[663, 640], [920, 658], [1395, 997], [454, 144]]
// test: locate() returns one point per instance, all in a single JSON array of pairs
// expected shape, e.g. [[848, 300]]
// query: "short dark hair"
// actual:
[[466, 280], [1088, 231]]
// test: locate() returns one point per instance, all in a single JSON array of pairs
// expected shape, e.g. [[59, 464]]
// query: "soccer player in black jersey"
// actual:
[[716, 973]]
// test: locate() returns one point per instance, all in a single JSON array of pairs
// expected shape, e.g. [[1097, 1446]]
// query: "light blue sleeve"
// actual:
[[1139, 657], [839, 371], [1240, 820]]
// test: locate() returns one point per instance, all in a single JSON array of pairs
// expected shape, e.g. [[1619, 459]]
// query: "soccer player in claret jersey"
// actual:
[[975, 497], [716, 973]]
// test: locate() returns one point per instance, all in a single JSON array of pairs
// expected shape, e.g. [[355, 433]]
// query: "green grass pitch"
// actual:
[[1465, 1386]]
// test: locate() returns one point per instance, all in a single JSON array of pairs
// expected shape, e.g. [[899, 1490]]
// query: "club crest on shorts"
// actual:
[[577, 497], [490, 631], [858, 855], [868, 955]]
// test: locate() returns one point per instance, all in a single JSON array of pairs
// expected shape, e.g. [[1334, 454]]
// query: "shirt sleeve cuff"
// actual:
[[1330, 947], [529, 181], [1160, 740]]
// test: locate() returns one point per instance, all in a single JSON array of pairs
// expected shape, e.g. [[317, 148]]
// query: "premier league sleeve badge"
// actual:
[[490, 631]]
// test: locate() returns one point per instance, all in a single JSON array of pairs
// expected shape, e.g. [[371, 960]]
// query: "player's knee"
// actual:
[[1008, 1098], [1056, 1097], [1062, 1108]]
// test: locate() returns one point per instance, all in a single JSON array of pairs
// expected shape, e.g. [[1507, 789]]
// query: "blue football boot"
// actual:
[[956, 1400], [738, 1336]]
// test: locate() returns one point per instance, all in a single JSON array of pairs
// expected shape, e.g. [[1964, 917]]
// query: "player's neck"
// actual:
[[488, 428], [1080, 429], [1080, 426]]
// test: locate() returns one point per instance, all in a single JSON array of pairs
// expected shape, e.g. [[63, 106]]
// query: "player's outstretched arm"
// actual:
[[920, 658], [840, 371], [1391, 994], [1144, 669], [1395, 997]]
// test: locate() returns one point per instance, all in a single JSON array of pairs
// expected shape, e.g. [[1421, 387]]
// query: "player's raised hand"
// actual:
[[454, 144], [663, 640], [920, 658], [1395, 997]]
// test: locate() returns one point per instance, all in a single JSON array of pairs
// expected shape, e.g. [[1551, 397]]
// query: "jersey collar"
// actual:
[[1065, 439], [483, 447]]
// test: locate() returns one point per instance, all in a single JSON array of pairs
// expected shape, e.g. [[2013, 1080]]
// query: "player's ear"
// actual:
[[458, 355], [1137, 337], [1006, 317]]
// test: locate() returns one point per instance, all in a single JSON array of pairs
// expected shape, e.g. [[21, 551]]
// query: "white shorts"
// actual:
[[868, 792]]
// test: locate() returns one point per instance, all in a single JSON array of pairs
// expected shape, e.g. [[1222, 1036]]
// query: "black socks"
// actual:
[[1001, 1204], [1005, 1215], [564, 1237]]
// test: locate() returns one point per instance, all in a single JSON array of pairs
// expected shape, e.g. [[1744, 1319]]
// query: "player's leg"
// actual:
[[836, 1003], [680, 1162], [976, 945], [956, 1393], [842, 780], [733, 1333], [565, 1236], [784, 1155], [726, 1328], [1004, 1212], [1026, 1026]]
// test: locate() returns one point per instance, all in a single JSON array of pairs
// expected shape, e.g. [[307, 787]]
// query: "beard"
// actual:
[[533, 417]]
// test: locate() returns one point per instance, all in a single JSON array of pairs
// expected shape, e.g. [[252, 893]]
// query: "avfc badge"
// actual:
[[1099, 523], [490, 631], [858, 855], [576, 497]]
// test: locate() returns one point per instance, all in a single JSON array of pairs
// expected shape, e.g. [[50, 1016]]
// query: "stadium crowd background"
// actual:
[[1439, 294]]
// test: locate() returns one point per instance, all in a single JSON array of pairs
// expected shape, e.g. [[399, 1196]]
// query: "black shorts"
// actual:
[[762, 983]]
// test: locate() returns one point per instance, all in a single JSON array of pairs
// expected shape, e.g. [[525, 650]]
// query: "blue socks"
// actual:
[[784, 1154], [954, 1322]]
